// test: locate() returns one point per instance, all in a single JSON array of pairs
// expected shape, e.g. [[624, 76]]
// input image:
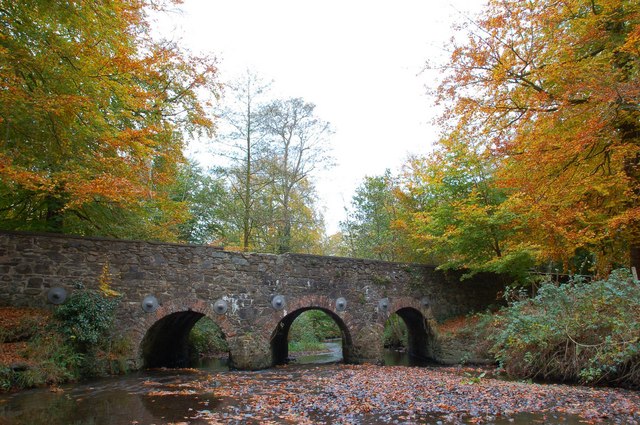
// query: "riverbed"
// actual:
[[317, 393]]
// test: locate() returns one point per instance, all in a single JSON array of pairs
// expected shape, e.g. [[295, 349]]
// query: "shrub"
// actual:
[[581, 332], [207, 339], [86, 318], [396, 334]]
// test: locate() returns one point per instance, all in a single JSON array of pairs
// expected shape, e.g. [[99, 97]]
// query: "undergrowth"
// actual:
[[77, 341], [206, 339], [310, 329], [585, 332]]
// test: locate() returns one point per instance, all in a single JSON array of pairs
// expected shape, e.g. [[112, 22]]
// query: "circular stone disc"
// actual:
[[220, 307], [57, 295], [150, 304], [383, 304], [278, 302]]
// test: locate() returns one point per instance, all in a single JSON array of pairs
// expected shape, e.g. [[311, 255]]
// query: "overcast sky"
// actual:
[[359, 61]]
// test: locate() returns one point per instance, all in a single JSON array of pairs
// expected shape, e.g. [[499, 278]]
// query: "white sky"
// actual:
[[359, 61]]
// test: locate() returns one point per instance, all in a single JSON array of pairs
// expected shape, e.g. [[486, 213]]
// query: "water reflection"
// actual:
[[212, 364], [402, 358], [112, 401]]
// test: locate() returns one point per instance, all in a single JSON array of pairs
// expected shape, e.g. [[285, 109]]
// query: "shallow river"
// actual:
[[211, 395]]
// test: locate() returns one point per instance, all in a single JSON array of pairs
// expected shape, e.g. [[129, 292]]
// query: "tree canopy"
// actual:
[[551, 90], [92, 112], [538, 160]]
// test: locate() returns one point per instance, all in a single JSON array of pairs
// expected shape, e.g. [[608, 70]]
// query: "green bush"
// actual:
[[587, 332], [396, 334], [206, 339], [87, 318], [309, 330]]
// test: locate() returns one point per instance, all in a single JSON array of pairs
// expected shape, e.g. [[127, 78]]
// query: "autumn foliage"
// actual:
[[538, 162], [92, 112], [550, 89]]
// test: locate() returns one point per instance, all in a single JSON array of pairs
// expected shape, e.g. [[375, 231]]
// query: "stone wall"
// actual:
[[185, 278]]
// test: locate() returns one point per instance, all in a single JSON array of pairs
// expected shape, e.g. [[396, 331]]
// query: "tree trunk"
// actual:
[[246, 231], [634, 256]]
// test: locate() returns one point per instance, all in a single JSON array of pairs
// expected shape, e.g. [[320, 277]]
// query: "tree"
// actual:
[[207, 200], [298, 147], [552, 88], [458, 218], [92, 110], [246, 135], [306, 222], [368, 230]]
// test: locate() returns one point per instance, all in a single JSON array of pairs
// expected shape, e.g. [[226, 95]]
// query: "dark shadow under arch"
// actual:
[[419, 335], [279, 338], [166, 342]]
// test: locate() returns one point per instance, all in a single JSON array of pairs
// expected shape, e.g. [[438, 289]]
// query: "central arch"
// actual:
[[276, 326], [280, 340], [421, 335]]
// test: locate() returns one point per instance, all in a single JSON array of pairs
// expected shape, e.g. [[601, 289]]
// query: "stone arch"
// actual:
[[162, 336], [420, 325], [276, 326]]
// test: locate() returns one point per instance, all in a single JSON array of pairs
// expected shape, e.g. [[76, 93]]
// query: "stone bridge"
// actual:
[[254, 298]]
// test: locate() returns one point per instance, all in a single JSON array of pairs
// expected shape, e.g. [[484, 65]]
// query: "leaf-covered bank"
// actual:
[[74, 341]]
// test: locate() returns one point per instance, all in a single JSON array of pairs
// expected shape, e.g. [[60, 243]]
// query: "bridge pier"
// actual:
[[249, 351], [368, 344]]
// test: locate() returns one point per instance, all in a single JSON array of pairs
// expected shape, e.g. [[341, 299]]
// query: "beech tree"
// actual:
[[551, 88], [298, 147], [92, 110], [457, 218]]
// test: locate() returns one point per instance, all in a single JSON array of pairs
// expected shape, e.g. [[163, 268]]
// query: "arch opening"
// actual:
[[407, 331], [170, 343], [280, 339]]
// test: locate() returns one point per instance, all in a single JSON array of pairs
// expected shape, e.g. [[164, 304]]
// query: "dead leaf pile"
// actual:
[[367, 393]]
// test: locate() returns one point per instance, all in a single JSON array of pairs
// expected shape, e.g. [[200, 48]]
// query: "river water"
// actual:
[[209, 394]]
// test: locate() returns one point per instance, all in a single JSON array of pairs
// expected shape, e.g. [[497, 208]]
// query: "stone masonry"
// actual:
[[187, 280]]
